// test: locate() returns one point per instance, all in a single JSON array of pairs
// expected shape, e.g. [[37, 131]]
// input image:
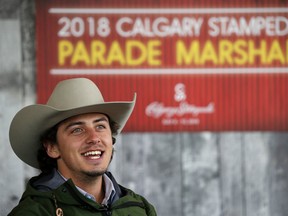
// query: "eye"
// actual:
[[100, 127], [77, 130]]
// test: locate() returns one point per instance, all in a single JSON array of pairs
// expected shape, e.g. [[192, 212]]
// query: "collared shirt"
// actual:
[[109, 190]]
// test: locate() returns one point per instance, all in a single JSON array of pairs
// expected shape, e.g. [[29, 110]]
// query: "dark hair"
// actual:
[[46, 163]]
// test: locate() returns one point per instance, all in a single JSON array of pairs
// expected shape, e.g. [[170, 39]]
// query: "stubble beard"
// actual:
[[91, 176], [95, 174]]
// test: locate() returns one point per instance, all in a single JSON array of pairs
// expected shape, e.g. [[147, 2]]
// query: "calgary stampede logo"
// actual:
[[184, 113]]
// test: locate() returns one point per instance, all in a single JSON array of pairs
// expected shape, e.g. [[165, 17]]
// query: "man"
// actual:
[[71, 140]]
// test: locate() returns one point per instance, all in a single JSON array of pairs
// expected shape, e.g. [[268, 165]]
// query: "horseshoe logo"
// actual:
[[180, 94]]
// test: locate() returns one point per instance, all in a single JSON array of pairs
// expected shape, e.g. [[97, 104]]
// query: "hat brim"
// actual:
[[32, 121]]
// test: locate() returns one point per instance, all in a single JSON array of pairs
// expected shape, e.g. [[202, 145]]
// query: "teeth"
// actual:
[[92, 153]]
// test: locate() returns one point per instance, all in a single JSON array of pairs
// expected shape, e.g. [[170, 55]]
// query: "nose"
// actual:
[[92, 137]]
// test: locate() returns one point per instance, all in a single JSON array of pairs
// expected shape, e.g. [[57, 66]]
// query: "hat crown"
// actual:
[[70, 94]]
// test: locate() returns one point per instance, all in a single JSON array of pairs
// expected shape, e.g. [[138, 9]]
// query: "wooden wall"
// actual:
[[207, 174], [183, 174]]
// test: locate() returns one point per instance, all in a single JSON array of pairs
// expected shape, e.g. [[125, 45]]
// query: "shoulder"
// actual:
[[28, 206], [128, 197], [34, 201], [131, 196]]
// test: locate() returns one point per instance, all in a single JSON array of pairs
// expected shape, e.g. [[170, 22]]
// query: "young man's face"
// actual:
[[84, 146]]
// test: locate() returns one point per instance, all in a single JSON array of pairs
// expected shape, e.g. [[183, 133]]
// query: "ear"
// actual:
[[52, 149]]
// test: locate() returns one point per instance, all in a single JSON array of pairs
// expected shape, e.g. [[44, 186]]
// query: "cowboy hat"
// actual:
[[70, 98]]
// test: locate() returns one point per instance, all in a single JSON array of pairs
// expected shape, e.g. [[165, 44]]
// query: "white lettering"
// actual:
[[159, 27], [253, 26], [157, 109]]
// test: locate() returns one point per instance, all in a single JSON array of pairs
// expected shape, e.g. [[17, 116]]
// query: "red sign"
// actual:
[[194, 67]]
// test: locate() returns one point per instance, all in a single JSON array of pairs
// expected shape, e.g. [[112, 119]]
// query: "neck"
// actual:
[[93, 185]]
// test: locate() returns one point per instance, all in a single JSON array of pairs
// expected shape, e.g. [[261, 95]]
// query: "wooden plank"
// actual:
[[256, 158], [201, 195], [231, 175], [27, 28], [277, 173]]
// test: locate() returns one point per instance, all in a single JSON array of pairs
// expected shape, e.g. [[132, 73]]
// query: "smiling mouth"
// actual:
[[93, 154]]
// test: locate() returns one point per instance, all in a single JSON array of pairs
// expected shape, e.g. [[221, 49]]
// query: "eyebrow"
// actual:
[[102, 119]]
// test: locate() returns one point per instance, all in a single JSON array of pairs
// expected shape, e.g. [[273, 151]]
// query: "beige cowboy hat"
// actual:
[[70, 98]]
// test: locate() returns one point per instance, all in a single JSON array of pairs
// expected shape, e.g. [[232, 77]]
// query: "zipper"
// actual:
[[59, 211], [106, 210]]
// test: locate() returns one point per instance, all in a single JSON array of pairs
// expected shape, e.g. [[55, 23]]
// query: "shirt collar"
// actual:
[[109, 190]]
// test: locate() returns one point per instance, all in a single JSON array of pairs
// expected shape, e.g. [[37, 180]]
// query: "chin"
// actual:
[[95, 173]]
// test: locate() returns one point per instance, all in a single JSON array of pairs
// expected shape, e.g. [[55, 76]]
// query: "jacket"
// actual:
[[49, 195]]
